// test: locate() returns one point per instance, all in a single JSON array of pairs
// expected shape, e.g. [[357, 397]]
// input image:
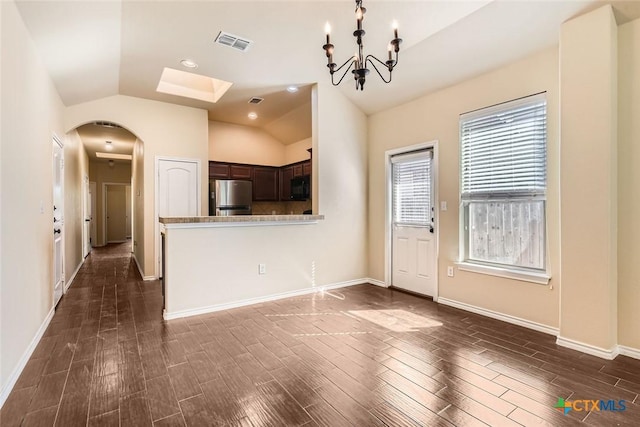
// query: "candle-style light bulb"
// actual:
[[359, 17], [327, 30], [394, 25]]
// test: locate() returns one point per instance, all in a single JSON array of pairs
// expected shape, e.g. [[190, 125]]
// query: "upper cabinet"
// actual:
[[241, 172], [218, 170], [269, 183]]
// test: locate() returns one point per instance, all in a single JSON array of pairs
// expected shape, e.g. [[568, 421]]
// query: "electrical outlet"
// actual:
[[443, 206], [262, 268], [450, 271]]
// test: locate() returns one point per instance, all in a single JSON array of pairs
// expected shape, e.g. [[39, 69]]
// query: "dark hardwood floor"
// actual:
[[362, 356]]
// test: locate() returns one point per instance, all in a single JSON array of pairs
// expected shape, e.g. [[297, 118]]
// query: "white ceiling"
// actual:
[[95, 49]]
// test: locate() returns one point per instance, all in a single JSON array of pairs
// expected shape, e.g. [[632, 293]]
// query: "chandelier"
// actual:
[[359, 61]]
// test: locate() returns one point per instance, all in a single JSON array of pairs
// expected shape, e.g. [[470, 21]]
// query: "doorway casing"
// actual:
[[388, 211]]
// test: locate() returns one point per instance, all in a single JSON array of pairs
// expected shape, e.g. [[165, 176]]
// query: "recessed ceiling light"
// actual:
[[292, 89], [252, 115], [108, 146], [188, 63]]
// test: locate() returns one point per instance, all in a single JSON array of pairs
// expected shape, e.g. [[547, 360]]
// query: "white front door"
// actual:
[[412, 230], [58, 220], [178, 193]]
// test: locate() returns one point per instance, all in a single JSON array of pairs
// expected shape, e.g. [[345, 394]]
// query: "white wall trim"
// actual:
[[593, 350], [500, 316], [73, 276], [257, 300], [145, 278], [629, 351], [377, 282], [13, 378]]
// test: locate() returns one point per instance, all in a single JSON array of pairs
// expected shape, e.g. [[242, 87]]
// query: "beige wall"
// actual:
[[137, 189], [31, 114], [588, 82], [628, 185], [297, 151], [244, 144], [336, 246], [76, 169], [100, 173], [165, 130], [436, 117]]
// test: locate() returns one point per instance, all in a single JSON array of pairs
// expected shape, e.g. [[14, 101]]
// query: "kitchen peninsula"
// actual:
[[216, 262]]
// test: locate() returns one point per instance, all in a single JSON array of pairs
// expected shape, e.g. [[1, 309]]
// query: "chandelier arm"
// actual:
[[368, 59], [348, 61]]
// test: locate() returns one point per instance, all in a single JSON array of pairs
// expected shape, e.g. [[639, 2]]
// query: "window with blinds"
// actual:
[[412, 198], [503, 170]]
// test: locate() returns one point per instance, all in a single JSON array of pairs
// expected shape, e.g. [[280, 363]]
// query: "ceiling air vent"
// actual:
[[256, 100], [108, 125], [235, 42]]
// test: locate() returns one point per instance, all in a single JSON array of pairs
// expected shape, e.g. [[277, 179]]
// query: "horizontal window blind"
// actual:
[[503, 150], [412, 189]]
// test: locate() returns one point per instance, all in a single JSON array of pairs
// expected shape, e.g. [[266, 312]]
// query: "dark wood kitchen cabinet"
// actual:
[[306, 168], [241, 172], [286, 173], [265, 184], [218, 170]]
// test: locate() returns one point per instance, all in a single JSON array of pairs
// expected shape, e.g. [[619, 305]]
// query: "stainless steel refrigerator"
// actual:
[[229, 197]]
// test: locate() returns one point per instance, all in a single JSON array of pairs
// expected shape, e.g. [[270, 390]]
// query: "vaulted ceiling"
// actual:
[[94, 49]]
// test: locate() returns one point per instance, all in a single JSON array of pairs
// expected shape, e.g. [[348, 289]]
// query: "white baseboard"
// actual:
[[73, 276], [257, 300], [629, 351], [593, 350], [377, 282], [500, 316], [145, 278], [13, 378]]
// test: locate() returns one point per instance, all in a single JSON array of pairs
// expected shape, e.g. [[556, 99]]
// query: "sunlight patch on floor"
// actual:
[[396, 320]]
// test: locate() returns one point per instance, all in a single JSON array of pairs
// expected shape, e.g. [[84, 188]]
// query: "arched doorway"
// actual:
[[106, 176]]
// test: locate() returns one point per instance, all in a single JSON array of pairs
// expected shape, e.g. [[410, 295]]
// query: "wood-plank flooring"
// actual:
[[361, 356]]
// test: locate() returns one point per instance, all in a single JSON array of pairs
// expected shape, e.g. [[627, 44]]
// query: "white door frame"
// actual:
[[93, 231], [86, 231], [104, 209], [57, 140], [156, 215], [388, 211]]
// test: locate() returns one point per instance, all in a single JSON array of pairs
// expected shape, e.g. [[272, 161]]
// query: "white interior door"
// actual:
[[116, 213], [178, 193], [93, 237], [127, 211], [413, 239], [58, 221], [86, 231]]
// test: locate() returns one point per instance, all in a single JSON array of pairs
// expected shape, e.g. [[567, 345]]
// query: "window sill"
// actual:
[[524, 276]]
